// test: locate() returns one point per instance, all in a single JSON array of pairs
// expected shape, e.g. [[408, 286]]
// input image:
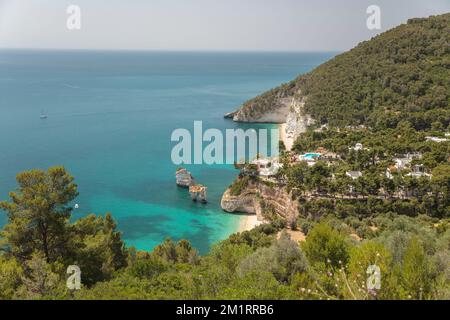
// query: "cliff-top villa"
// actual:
[[267, 167], [310, 158], [320, 153], [403, 162]]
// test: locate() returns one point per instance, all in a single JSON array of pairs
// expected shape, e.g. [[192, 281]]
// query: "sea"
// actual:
[[108, 117]]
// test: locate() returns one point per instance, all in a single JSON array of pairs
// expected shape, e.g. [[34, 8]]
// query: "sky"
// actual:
[[213, 25]]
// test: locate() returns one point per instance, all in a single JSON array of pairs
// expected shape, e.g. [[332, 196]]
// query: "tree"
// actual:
[[417, 277], [326, 246], [283, 259], [181, 252], [440, 184], [97, 248], [38, 214], [361, 257], [11, 274], [148, 267], [39, 280]]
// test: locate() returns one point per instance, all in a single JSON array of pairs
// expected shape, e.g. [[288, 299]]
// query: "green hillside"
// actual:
[[402, 74]]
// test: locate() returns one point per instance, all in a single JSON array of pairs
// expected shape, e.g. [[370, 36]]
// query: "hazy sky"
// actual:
[[274, 25]]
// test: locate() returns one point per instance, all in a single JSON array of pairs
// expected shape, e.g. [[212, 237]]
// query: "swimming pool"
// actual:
[[311, 155]]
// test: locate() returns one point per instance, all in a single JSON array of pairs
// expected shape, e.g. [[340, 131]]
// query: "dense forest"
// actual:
[[402, 74]]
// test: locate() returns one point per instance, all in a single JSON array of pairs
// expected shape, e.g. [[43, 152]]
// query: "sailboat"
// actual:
[[43, 115]]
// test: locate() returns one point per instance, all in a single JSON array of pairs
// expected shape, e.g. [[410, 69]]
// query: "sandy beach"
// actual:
[[248, 222], [288, 141]]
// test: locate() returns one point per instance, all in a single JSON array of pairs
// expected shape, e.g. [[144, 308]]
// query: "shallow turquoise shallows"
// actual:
[[109, 117]]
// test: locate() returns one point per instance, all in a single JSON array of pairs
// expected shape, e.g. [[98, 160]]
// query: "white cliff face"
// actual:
[[297, 122]]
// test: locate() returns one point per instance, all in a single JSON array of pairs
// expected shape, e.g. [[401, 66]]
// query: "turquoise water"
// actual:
[[110, 117]]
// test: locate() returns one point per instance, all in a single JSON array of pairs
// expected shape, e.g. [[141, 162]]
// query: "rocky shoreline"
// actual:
[[257, 197]]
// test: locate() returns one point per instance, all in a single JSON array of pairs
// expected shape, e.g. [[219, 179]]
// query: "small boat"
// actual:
[[43, 115]]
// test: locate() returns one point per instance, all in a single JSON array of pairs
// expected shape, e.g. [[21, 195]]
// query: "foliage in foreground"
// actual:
[[39, 242]]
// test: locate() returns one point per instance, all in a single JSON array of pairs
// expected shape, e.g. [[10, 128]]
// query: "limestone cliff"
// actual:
[[297, 121], [258, 195]]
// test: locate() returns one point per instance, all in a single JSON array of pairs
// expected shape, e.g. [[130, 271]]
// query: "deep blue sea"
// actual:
[[110, 118]]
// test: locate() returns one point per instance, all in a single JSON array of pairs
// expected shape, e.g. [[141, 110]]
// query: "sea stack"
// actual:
[[184, 178], [198, 193]]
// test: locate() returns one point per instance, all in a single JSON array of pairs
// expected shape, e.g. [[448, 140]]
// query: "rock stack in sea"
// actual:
[[198, 193], [184, 178]]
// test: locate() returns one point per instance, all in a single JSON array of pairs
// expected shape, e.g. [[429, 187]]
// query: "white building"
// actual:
[[354, 174], [436, 139], [267, 167], [402, 163], [357, 147], [418, 171], [390, 172]]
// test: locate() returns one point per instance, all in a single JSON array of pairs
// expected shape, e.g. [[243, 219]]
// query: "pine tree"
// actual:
[[38, 214]]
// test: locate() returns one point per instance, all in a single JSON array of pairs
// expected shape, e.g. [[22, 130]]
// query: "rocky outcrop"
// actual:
[[274, 113], [257, 196], [198, 193], [244, 203], [184, 178], [229, 115]]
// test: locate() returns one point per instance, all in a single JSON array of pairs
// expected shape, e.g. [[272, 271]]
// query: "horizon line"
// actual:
[[170, 50]]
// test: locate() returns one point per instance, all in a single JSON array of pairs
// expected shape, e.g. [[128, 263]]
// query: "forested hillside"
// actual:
[[402, 74]]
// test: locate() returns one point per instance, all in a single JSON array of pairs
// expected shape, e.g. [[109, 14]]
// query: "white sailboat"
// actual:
[[43, 115]]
